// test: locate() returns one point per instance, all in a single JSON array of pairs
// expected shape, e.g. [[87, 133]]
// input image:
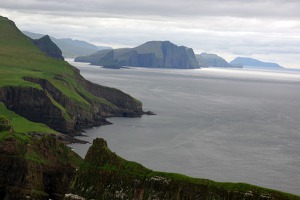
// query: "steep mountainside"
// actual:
[[250, 62], [104, 175], [70, 48], [153, 54], [211, 60], [46, 45], [35, 168], [51, 91]]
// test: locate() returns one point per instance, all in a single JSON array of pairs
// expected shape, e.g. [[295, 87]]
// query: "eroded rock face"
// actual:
[[35, 105], [153, 54], [46, 45], [44, 168], [40, 105], [107, 176], [5, 124], [40, 169]]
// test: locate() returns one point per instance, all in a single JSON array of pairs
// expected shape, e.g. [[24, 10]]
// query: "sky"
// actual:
[[268, 30]]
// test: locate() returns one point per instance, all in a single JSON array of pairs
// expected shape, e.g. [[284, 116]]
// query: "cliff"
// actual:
[[104, 175], [35, 168], [153, 54], [70, 48], [212, 60], [51, 91], [46, 45]]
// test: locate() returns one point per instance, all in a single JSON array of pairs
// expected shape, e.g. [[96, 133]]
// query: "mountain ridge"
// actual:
[[152, 54], [69, 47]]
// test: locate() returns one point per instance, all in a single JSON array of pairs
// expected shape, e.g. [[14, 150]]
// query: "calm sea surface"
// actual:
[[222, 124]]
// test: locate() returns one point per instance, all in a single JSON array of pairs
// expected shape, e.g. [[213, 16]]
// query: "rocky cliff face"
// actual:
[[107, 176], [211, 60], [43, 168], [36, 169], [154, 54], [53, 108], [46, 45]]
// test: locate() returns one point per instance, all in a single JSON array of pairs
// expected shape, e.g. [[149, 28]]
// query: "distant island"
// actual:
[[253, 63], [212, 60], [152, 54], [70, 48]]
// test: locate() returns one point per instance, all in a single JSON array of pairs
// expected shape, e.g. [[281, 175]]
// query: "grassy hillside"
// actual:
[[78, 103], [105, 175]]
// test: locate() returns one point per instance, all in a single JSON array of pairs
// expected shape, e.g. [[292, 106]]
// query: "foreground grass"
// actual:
[[21, 124]]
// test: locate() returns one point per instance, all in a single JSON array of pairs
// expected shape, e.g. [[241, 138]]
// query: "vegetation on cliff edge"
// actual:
[[75, 102]]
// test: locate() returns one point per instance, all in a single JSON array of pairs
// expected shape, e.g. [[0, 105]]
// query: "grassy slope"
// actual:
[[22, 125], [19, 58], [101, 159]]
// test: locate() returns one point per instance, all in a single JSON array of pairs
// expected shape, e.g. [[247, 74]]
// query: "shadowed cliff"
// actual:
[[105, 175], [153, 54]]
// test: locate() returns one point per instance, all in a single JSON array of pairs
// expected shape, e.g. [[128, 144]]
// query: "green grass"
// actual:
[[21, 124], [100, 158], [65, 113], [34, 157], [20, 58]]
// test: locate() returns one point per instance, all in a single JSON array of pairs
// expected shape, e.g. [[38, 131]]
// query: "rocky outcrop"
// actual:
[[212, 60], [153, 54], [107, 176], [46, 45], [36, 168], [52, 107], [44, 168], [5, 124]]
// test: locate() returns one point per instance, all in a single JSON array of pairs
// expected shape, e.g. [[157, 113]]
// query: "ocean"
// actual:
[[228, 125]]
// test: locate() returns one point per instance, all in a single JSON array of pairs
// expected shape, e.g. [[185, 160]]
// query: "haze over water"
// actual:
[[228, 125]]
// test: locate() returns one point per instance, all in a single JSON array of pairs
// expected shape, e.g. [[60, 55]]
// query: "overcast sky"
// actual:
[[264, 29]]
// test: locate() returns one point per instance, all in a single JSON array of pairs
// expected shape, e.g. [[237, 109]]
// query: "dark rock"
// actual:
[[41, 169], [23, 101], [46, 45], [107, 176], [5, 124], [149, 113], [154, 54]]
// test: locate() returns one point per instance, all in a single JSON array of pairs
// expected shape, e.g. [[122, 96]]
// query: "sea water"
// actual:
[[233, 125]]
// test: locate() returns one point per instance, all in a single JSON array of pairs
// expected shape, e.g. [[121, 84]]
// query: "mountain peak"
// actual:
[[46, 45]]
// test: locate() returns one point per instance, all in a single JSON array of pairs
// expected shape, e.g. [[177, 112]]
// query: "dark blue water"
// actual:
[[226, 125]]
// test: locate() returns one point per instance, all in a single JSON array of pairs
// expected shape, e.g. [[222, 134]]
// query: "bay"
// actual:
[[233, 125]]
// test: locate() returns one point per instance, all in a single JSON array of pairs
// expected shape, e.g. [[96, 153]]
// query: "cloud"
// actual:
[[235, 28], [166, 8]]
